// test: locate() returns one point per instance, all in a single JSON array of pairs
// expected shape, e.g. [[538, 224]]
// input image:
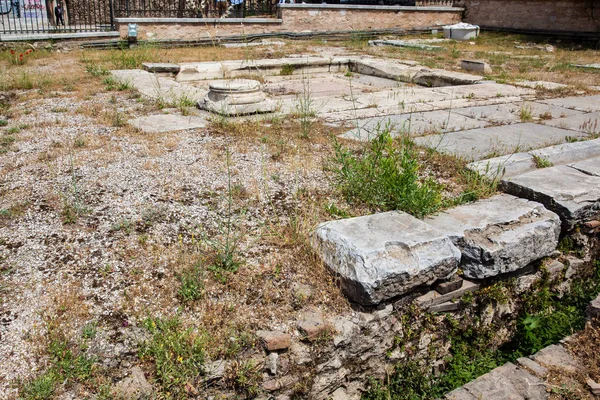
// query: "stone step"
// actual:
[[159, 88], [505, 382], [381, 256], [583, 103], [571, 193], [478, 144], [588, 123], [510, 113], [519, 163], [499, 235]]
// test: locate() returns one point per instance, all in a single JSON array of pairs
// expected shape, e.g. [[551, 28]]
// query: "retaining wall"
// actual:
[[535, 15], [295, 18]]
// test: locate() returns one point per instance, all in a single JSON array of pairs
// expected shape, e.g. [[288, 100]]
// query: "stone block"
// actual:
[[593, 309], [432, 297], [555, 268], [532, 366], [499, 235], [459, 394], [449, 285], [441, 77], [160, 67], [570, 193], [480, 67], [558, 357], [135, 386], [567, 153], [381, 256], [583, 103], [507, 382], [445, 307], [161, 123], [274, 340], [504, 166], [311, 325]]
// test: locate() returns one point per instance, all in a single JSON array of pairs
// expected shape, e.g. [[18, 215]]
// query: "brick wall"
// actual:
[[535, 15], [296, 18]]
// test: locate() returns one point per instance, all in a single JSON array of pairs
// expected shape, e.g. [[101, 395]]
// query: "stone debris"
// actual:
[[271, 364], [500, 234], [311, 325], [432, 297], [445, 307], [450, 285], [135, 386], [161, 67], [274, 340], [441, 77], [381, 256], [594, 387], [215, 370], [593, 310], [480, 67]]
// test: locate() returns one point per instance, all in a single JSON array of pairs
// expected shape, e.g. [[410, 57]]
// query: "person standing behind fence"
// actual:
[[238, 6], [221, 7], [58, 12]]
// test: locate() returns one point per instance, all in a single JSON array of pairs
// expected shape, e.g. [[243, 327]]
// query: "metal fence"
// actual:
[[52, 16], [194, 8]]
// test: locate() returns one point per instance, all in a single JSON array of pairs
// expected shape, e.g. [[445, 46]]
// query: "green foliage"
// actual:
[[3, 122], [385, 176], [114, 84], [287, 69], [542, 162], [176, 352], [192, 285], [68, 365]]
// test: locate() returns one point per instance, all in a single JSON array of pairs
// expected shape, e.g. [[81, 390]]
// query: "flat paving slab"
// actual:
[[590, 166], [167, 122], [519, 163], [572, 194], [584, 103], [500, 234], [588, 123], [505, 382], [510, 113], [157, 87], [381, 256], [477, 144], [414, 124]]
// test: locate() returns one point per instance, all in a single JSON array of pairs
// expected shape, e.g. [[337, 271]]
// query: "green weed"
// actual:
[[191, 285], [385, 176]]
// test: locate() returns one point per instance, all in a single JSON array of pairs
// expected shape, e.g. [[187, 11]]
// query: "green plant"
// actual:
[[287, 69], [244, 377], [541, 162], [13, 130], [525, 114], [385, 176], [177, 354], [191, 285], [115, 84], [3, 122], [305, 108]]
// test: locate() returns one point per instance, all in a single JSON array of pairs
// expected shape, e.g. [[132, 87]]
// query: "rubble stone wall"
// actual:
[[534, 15], [295, 18]]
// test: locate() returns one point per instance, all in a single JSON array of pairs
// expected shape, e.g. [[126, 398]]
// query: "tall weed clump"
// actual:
[[384, 175]]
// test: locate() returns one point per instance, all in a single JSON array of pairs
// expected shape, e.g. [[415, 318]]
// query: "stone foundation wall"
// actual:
[[295, 18], [535, 15]]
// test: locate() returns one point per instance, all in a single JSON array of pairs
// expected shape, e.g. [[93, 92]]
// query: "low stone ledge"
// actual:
[[381, 256], [201, 21], [368, 7], [499, 235]]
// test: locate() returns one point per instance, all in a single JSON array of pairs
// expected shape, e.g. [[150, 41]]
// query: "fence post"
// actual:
[[111, 10]]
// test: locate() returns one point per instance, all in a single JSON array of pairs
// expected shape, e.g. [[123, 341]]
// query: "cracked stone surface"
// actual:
[[381, 256], [167, 122], [482, 143], [572, 194], [500, 234], [586, 104]]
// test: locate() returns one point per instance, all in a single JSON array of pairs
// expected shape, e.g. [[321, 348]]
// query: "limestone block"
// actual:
[[476, 66], [381, 256], [499, 235], [274, 340], [160, 67], [593, 310], [440, 77], [507, 382], [558, 357], [570, 193]]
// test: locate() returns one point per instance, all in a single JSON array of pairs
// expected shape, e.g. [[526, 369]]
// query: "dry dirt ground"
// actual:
[[100, 223]]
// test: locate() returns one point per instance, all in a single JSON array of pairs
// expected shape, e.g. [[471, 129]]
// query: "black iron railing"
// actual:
[[51, 16], [194, 8]]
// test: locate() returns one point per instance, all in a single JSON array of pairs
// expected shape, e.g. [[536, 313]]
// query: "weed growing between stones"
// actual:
[[545, 317], [177, 355], [384, 175], [542, 162]]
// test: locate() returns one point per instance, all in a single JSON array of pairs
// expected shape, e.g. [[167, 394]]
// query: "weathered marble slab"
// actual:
[[167, 123], [500, 234], [584, 103], [570, 193], [477, 144], [587, 123], [381, 256]]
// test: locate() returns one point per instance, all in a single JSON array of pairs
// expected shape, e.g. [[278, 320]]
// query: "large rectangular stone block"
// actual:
[[500, 234], [381, 256]]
